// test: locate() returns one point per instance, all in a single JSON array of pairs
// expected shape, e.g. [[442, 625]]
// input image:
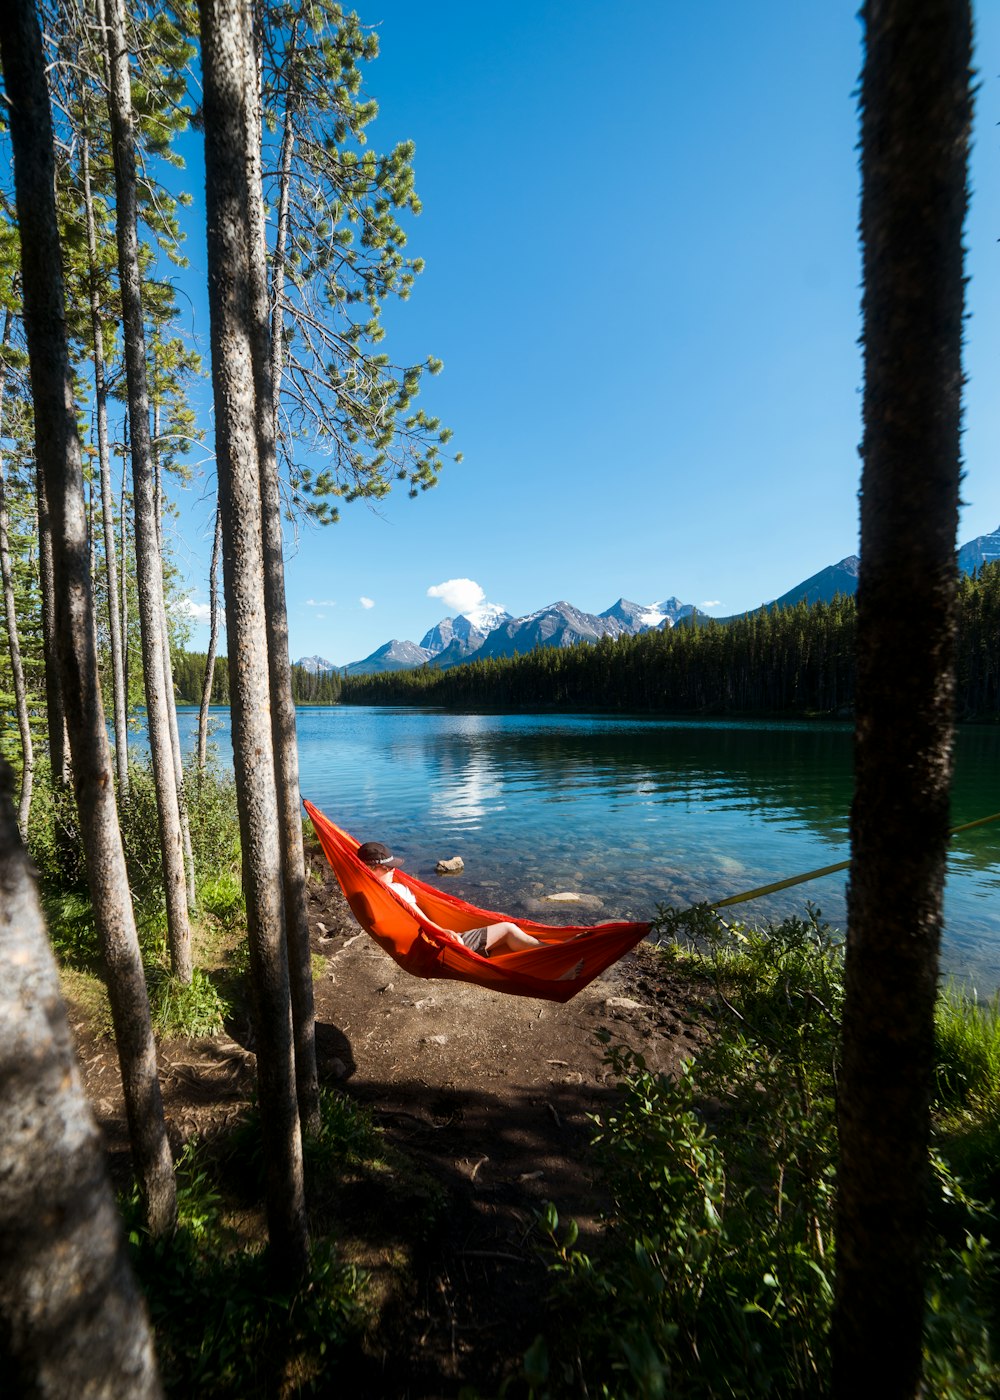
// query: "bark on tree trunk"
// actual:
[[57, 451], [123, 552], [72, 1320], [213, 642], [10, 612], [107, 494], [175, 750], [54, 710], [149, 574], [279, 667], [224, 35], [916, 111], [168, 683], [280, 246]]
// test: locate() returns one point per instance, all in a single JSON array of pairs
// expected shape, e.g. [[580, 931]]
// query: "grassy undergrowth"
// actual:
[[716, 1273], [223, 1326], [218, 920]]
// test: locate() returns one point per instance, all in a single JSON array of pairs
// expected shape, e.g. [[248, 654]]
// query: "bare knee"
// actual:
[[507, 935]]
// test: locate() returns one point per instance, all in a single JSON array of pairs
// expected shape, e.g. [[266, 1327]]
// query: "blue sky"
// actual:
[[640, 231]]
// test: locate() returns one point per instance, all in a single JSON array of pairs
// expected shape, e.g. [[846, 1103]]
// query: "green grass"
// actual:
[[184, 1009], [967, 1043], [221, 896], [715, 1275]]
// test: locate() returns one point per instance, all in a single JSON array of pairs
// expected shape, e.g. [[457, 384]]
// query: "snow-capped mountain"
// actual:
[[470, 629], [636, 617], [559, 625], [316, 665], [491, 631], [984, 549]]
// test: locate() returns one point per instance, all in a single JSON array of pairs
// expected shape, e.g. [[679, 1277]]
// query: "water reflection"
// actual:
[[634, 811], [466, 790]]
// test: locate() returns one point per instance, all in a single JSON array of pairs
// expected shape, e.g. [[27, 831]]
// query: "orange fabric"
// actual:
[[423, 951]]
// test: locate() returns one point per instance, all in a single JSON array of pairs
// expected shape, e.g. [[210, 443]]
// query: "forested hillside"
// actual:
[[308, 688], [798, 660]]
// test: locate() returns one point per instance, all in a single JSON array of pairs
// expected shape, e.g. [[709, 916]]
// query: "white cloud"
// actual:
[[366, 602], [459, 595], [321, 602], [716, 604], [197, 612]]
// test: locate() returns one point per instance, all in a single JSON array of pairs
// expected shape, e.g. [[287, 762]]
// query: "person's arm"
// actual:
[[410, 900]]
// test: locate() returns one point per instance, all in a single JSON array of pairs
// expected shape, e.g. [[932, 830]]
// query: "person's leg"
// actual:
[[501, 936], [505, 935]]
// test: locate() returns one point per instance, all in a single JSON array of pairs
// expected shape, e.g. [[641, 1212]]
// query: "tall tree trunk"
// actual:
[[916, 112], [286, 754], [54, 710], [57, 450], [107, 494], [149, 574], [168, 682], [280, 247], [224, 36], [10, 611], [123, 552], [72, 1320], [213, 642], [175, 750]]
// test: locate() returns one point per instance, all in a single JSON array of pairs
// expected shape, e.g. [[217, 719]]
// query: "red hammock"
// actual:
[[423, 951]]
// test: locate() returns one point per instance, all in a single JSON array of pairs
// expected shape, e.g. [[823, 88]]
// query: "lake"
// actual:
[[633, 811]]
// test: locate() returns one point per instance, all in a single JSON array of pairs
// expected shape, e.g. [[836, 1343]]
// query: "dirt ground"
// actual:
[[487, 1097]]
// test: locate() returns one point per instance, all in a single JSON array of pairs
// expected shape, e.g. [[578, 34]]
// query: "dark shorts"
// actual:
[[476, 940]]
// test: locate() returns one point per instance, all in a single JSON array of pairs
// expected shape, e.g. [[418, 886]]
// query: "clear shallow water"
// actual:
[[637, 811]]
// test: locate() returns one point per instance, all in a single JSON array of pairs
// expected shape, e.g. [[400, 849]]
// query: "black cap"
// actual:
[[374, 853]]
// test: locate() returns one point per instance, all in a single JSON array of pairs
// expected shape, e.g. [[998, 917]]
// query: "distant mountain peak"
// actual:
[[469, 629], [984, 549], [486, 617], [643, 617], [824, 586], [315, 665], [489, 631]]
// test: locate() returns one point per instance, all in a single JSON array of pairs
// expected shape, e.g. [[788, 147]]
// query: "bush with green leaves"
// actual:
[[54, 834], [210, 802], [715, 1276]]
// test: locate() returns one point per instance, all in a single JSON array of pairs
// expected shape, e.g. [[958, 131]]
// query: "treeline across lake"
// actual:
[[798, 660], [189, 681]]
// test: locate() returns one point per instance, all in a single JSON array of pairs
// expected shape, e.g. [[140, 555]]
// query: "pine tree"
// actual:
[[59, 468], [916, 112], [226, 39], [148, 554]]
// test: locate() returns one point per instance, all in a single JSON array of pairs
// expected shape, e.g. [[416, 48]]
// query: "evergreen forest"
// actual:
[[788, 661], [189, 668]]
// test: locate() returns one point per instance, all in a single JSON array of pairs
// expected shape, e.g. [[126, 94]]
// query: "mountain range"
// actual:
[[491, 632]]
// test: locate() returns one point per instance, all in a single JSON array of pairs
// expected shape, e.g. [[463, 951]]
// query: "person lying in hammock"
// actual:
[[492, 938]]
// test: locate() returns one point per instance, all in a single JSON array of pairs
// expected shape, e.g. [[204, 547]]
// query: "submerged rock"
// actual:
[[588, 901]]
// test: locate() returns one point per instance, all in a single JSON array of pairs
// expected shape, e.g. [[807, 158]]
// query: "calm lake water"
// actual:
[[633, 811]]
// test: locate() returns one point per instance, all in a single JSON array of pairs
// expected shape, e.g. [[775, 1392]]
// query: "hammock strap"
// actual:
[[825, 870]]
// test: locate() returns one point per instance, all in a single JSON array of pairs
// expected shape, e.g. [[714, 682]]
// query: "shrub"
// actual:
[[716, 1277]]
